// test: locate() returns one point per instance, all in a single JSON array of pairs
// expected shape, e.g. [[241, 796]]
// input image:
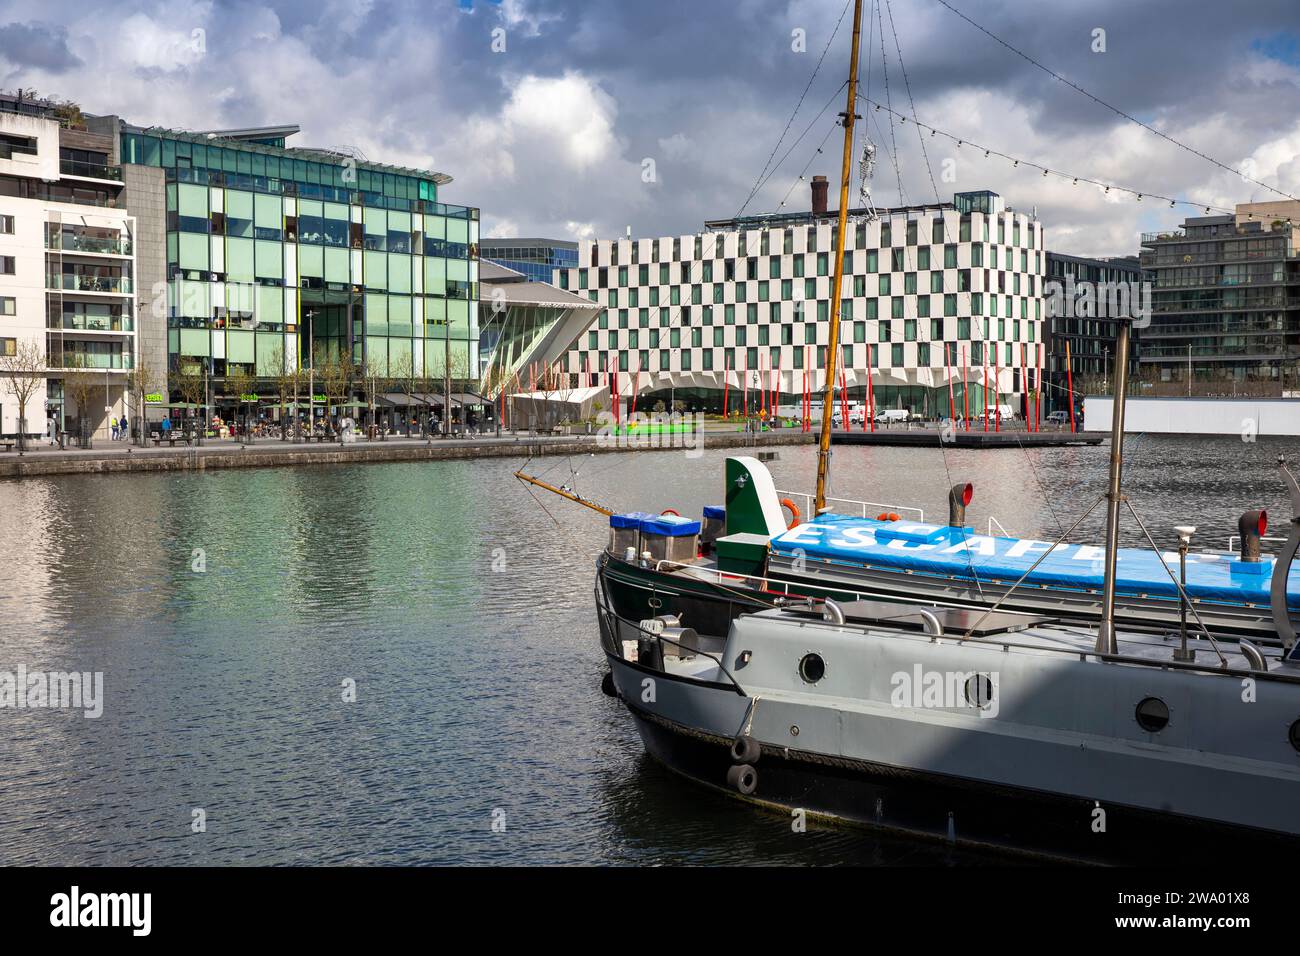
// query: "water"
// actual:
[[464, 615]]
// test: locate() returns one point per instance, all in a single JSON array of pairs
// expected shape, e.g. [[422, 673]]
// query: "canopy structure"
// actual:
[[525, 325]]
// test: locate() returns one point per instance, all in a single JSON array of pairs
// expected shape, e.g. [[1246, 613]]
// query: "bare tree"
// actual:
[[336, 375], [402, 372], [242, 383], [82, 384], [193, 388], [374, 382], [139, 383], [287, 382], [24, 372]]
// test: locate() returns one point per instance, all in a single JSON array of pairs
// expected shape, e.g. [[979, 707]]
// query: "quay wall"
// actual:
[[274, 454]]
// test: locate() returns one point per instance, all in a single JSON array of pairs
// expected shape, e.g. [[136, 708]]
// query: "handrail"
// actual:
[[864, 506], [994, 521], [1234, 538], [602, 599]]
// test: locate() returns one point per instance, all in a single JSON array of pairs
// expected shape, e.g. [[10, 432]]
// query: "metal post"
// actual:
[[1106, 642], [1185, 533]]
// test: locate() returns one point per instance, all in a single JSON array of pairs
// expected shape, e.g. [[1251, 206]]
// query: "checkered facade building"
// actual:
[[925, 288]]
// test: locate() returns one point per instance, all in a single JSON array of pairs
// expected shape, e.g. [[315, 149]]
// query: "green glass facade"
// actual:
[[269, 249]]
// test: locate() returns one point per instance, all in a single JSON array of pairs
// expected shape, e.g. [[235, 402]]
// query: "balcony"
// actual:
[[74, 167], [82, 282], [78, 361], [73, 322], [72, 242]]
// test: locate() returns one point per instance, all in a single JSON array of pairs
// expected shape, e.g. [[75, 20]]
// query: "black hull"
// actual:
[[1014, 822]]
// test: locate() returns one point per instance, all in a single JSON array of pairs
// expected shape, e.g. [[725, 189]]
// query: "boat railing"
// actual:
[[865, 507], [995, 522], [1233, 539], [613, 620]]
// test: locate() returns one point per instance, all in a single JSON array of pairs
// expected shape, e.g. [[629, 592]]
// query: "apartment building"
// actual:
[[67, 269]]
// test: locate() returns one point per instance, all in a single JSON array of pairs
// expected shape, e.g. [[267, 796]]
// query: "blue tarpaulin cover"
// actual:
[[632, 519], [960, 553], [673, 526]]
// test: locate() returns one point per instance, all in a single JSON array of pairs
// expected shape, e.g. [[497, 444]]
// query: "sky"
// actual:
[[579, 118]]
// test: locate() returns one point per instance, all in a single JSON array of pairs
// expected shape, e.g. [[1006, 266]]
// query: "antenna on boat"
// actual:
[[833, 340], [1106, 642]]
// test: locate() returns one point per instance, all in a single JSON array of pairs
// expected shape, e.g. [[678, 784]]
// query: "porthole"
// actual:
[[1152, 714], [812, 668], [1295, 735], [979, 691]]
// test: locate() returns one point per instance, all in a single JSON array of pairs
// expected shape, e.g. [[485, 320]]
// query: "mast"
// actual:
[[833, 341], [1106, 643]]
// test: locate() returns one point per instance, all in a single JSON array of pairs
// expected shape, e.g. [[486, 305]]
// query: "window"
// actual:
[[8, 305], [8, 346], [6, 265], [6, 225]]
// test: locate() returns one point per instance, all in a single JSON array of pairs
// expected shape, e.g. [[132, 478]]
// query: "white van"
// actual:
[[890, 415]]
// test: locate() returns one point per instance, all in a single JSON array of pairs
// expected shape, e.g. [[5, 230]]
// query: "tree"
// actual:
[[139, 383], [336, 375], [23, 372], [241, 382], [287, 382], [374, 381], [81, 384], [192, 387], [404, 377]]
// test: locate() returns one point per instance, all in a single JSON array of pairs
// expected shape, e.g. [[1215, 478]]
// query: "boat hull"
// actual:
[[1011, 821]]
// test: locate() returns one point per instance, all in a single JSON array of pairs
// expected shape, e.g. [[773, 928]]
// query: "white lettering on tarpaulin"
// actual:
[[131, 910], [862, 539]]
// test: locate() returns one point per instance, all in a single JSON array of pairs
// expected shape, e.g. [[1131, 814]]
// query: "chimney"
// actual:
[[819, 187]]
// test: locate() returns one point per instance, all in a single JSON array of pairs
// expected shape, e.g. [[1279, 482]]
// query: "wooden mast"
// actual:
[[833, 341]]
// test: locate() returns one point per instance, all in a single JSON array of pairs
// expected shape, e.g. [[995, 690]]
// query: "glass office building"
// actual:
[[538, 259], [275, 253]]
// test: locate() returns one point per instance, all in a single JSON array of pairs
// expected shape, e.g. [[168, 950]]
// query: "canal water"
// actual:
[[231, 612]]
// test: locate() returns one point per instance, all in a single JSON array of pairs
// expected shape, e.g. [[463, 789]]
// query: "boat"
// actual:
[[984, 726], [748, 556]]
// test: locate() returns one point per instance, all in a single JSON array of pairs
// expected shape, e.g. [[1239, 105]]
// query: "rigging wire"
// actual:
[[1017, 162], [758, 183], [1114, 109]]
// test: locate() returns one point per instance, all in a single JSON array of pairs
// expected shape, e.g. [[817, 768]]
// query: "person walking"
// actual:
[[113, 426], [166, 427], [122, 428]]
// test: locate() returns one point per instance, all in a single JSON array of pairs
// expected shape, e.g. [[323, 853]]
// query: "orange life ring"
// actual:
[[794, 511], [670, 511], [887, 516]]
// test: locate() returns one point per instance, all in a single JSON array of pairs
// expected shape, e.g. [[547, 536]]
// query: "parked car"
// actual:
[[891, 415], [1058, 418]]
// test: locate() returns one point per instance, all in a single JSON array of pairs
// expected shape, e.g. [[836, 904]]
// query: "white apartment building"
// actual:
[[67, 266], [933, 295]]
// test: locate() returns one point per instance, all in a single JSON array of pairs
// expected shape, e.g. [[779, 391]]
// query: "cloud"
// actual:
[[37, 45], [548, 137]]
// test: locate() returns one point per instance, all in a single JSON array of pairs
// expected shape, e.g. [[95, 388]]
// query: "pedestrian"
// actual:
[[113, 426], [52, 430], [166, 427], [122, 428]]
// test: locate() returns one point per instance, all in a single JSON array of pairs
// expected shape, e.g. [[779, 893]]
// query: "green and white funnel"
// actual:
[[751, 499]]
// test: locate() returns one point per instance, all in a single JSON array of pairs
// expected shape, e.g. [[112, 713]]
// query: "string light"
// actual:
[[1015, 163]]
